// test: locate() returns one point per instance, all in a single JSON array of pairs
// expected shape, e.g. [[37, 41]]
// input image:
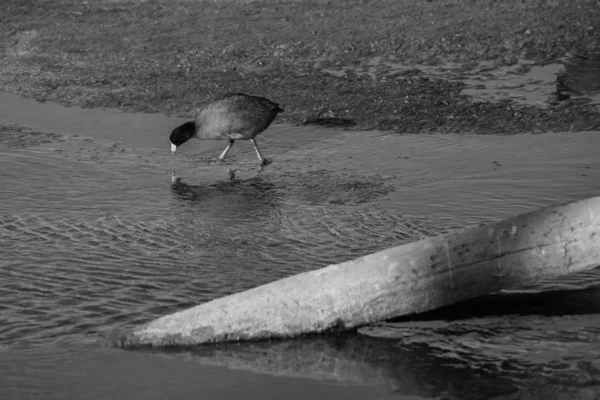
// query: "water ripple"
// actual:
[[85, 253], [96, 238]]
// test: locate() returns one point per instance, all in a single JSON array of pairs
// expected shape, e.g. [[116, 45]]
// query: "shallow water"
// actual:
[[101, 229]]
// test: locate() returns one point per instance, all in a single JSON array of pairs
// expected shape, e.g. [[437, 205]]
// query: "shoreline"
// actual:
[[170, 58]]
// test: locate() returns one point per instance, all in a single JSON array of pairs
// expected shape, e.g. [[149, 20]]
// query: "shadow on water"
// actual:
[[547, 300]]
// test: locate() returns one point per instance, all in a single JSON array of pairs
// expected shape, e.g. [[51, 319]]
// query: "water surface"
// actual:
[[101, 229]]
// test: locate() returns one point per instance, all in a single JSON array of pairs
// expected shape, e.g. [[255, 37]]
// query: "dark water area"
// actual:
[[101, 230], [579, 79]]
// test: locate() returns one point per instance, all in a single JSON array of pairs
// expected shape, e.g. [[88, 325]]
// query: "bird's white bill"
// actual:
[[173, 148]]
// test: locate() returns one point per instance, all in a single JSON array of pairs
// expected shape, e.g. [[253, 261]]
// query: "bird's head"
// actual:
[[182, 134]]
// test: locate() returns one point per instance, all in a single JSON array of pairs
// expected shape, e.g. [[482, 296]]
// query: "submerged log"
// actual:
[[407, 279]]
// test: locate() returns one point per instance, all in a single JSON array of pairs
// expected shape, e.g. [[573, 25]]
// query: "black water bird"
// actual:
[[235, 116]]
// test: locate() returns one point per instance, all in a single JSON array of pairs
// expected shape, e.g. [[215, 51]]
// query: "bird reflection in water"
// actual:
[[253, 196]]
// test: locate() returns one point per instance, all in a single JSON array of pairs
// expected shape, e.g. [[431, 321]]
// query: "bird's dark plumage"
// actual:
[[235, 116]]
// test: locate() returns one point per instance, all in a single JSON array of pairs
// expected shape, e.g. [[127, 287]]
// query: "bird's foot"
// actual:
[[265, 162]]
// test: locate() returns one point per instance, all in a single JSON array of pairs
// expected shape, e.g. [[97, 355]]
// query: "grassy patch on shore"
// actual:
[[171, 56]]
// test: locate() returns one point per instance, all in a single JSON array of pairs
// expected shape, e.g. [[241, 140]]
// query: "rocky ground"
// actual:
[[172, 56]]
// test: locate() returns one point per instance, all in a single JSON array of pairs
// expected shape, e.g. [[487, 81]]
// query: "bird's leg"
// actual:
[[224, 153], [231, 173], [263, 161]]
